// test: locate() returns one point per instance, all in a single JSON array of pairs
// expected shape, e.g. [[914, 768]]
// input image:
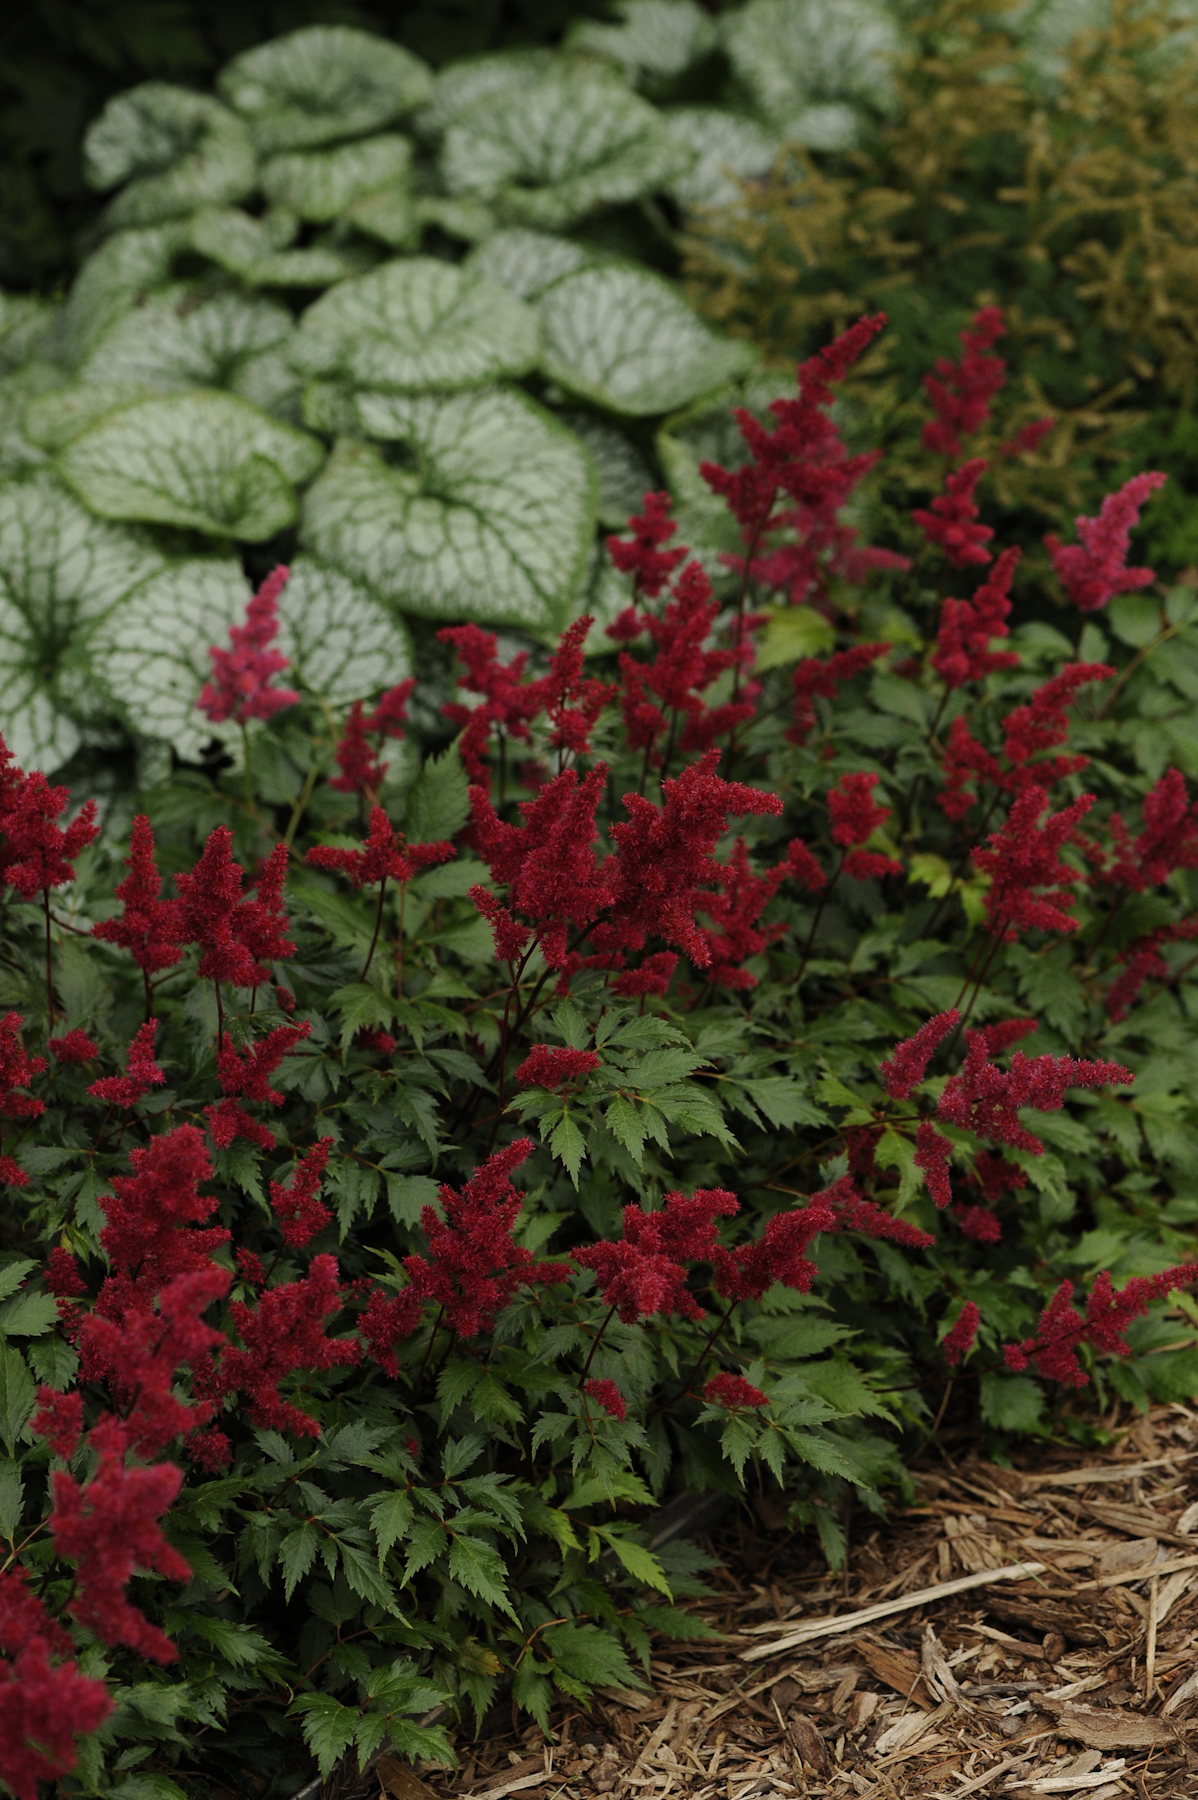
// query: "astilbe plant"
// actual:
[[406, 1188]]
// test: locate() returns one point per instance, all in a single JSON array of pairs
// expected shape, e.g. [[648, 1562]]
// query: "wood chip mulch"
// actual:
[[1075, 1675]]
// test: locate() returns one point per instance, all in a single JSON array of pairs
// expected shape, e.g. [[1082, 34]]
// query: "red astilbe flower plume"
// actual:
[[903, 1072], [110, 1528], [571, 700], [149, 927], [1062, 1329], [17, 1070], [961, 393], [640, 554], [62, 1275], [979, 1224], [1144, 961], [957, 1343], [855, 813], [247, 1077], [820, 677], [1095, 571], [362, 771], [36, 853], [735, 911], [141, 1072], [680, 672], [996, 1176], [1167, 840], [151, 1214], [652, 975], [73, 1046], [932, 1153], [1028, 438], [609, 1397], [801, 455], [952, 522], [384, 856], [234, 932], [43, 1706], [551, 1066], [1029, 884], [473, 1267], [297, 1205], [240, 688], [986, 1099], [851, 1212], [663, 858], [967, 627], [734, 1393], [508, 701], [284, 1333], [995, 1039], [547, 862], [645, 1272], [1042, 723], [386, 1320], [965, 762]]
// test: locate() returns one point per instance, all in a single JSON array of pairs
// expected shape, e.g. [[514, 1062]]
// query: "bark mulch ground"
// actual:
[[1016, 1632]]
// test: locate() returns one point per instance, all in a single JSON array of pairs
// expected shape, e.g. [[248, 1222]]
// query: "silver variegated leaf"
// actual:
[[250, 248], [178, 340], [726, 149], [461, 86], [202, 459], [26, 325], [18, 450], [416, 323], [61, 413], [624, 476], [176, 149], [548, 153], [60, 566], [493, 523], [39, 734], [656, 38], [269, 381], [150, 654], [808, 63], [389, 214], [328, 407], [628, 341], [322, 83], [112, 280], [526, 262], [342, 642], [320, 184]]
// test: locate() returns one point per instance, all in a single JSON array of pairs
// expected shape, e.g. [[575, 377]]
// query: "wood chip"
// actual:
[[399, 1781], [1107, 1727], [808, 1742]]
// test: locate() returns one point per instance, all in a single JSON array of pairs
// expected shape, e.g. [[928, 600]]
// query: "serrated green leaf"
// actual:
[[391, 1517], [438, 803], [202, 459], [495, 525], [322, 83], [568, 1145], [181, 149], [627, 341], [328, 1727], [640, 1563], [18, 1396], [549, 152], [297, 1553], [479, 1568], [416, 323], [793, 632], [408, 1195], [626, 1123], [28, 1315], [181, 340], [319, 184], [362, 1573]]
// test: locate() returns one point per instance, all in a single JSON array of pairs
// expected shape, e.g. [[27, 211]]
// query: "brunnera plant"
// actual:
[[398, 1207]]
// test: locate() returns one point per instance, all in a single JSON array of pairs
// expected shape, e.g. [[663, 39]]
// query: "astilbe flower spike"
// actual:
[[1144, 961], [552, 1066], [36, 853], [232, 931], [1062, 1329], [965, 762], [733, 1393], [816, 677], [640, 555], [74, 1046], [384, 855], [644, 1272], [961, 393], [1095, 571], [1167, 840], [240, 688], [473, 1266], [362, 771], [247, 1077], [959, 1341], [903, 1072], [952, 521], [547, 863], [735, 911], [509, 703], [666, 694], [44, 1706], [1030, 886], [141, 1072], [979, 1224], [609, 1397], [967, 628], [986, 1099], [297, 1205], [148, 927], [285, 1332], [855, 816], [932, 1153], [1042, 723], [852, 1212]]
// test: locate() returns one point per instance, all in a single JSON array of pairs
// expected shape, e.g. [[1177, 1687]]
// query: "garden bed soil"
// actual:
[[1080, 1679]]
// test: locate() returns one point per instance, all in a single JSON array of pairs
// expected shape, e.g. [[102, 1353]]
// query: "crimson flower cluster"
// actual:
[[361, 770], [1063, 1330], [240, 688]]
